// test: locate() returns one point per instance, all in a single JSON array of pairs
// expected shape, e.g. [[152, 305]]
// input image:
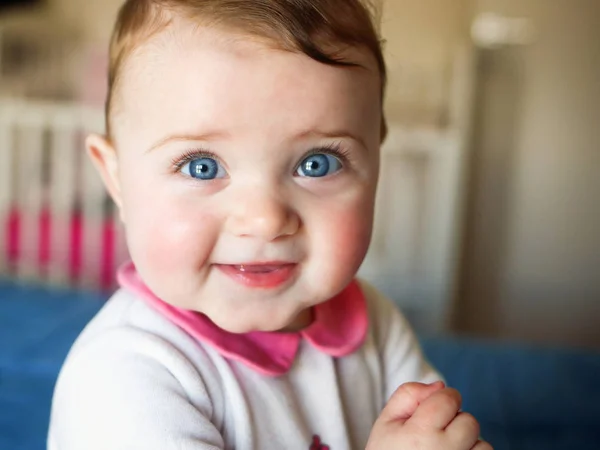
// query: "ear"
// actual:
[[104, 156]]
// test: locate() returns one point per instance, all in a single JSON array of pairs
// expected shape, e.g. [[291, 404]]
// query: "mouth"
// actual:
[[259, 275]]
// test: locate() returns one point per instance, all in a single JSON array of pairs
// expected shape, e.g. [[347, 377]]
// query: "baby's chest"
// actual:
[[322, 403]]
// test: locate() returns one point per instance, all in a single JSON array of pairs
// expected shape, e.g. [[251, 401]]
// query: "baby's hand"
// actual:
[[425, 417]]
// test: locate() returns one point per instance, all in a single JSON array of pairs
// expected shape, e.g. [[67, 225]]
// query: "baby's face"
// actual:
[[245, 175]]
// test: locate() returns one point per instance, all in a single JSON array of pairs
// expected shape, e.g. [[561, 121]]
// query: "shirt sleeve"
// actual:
[[401, 356], [126, 390]]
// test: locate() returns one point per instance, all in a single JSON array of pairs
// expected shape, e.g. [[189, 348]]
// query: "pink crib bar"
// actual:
[[57, 225]]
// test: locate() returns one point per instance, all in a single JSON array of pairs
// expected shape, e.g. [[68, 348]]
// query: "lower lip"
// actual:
[[266, 276]]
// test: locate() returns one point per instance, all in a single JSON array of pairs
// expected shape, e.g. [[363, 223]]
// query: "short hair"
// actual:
[[321, 29]]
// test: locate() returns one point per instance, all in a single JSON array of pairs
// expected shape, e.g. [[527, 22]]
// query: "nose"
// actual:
[[263, 214]]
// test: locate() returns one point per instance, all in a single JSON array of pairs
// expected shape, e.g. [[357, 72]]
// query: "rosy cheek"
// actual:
[[172, 234], [165, 242], [351, 235], [344, 239]]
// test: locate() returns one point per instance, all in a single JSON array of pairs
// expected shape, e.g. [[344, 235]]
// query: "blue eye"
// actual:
[[318, 165], [203, 169]]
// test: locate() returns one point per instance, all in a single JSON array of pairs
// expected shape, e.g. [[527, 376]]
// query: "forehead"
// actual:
[[187, 79]]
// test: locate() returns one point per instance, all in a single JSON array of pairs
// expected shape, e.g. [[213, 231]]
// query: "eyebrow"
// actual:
[[188, 137], [340, 134], [337, 134]]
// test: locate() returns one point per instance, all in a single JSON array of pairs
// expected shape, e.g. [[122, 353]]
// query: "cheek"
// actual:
[[167, 234], [169, 239], [344, 236], [351, 234]]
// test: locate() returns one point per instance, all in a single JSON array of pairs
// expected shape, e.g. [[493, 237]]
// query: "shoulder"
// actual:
[[385, 318], [377, 301], [132, 325], [128, 339], [128, 364], [397, 345]]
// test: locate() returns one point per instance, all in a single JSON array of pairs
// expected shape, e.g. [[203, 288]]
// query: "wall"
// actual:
[[94, 19], [532, 260], [422, 38]]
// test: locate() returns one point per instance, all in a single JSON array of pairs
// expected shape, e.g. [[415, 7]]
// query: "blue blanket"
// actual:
[[525, 398]]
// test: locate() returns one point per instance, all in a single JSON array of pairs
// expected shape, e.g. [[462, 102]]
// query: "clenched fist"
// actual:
[[425, 417]]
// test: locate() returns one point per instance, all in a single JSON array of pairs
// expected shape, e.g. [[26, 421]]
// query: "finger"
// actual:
[[482, 445], [464, 430], [438, 410], [407, 398]]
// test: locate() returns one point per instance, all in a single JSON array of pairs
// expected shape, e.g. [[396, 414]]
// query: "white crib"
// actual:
[[414, 256], [55, 216]]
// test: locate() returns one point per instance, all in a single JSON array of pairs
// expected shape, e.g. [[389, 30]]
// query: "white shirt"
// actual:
[[135, 380]]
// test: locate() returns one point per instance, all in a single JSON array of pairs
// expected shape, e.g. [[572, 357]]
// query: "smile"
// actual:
[[259, 275]]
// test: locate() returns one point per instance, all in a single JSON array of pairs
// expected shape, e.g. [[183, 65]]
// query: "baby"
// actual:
[[242, 150]]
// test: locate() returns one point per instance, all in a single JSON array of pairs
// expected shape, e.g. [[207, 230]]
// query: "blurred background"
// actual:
[[489, 208], [487, 230]]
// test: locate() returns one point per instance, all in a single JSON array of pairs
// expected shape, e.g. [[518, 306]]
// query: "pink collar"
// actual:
[[339, 329]]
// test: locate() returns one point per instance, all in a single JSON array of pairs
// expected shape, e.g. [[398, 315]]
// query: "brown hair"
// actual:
[[321, 29]]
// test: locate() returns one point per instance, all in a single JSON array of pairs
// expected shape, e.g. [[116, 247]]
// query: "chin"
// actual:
[[243, 328], [243, 324], [232, 322]]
